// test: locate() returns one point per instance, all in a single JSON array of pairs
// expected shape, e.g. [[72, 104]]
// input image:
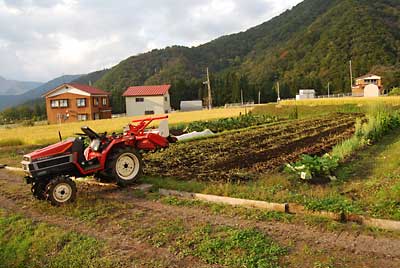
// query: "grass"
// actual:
[[46, 134], [12, 155], [304, 110], [215, 245], [236, 212], [368, 184], [88, 209], [232, 247], [24, 243], [11, 142]]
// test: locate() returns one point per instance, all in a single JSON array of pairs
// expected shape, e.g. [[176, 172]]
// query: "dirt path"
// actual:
[[123, 245], [348, 249]]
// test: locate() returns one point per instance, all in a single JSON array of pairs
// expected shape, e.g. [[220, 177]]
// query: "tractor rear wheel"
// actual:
[[126, 166], [61, 190]]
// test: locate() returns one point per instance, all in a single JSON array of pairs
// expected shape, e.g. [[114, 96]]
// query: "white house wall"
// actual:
[[68, 89], [150, 103]]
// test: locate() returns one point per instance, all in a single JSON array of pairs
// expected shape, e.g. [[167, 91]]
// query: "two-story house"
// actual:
[[147, 100], [75, 102]]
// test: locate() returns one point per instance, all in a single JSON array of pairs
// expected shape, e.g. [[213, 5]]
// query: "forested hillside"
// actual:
[[305, 47], [225, 56], [308, 46]]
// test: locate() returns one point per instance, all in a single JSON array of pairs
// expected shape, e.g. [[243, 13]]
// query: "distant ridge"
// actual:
[[14, 87], [13, 100]]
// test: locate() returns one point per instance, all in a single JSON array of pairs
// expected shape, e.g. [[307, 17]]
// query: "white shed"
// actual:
[[147, 100], [195, 105], [305, 94]]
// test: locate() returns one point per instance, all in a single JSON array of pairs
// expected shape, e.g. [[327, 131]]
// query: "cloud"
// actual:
[[42, 39]]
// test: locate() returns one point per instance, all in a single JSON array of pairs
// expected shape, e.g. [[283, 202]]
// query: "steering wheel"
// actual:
[[90, 133]]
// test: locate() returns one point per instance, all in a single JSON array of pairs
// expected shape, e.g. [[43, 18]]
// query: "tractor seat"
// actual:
[[94, 147]]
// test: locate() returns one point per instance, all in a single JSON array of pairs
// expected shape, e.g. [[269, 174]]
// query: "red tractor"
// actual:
[[113, 157]]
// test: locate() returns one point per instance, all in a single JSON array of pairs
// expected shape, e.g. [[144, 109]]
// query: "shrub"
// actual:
[[381, 119], [395, 92], [314, 167], [294, 114], [28, 123]]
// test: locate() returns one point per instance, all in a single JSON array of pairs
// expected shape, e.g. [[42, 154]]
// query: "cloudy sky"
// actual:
[[43, 39]]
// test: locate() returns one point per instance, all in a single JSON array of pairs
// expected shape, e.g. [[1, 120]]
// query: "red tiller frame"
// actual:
[[143, 123]]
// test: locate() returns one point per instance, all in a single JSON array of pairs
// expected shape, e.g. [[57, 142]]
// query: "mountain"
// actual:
[[36, 93], [91, 78], [13, 87], [305, 47]]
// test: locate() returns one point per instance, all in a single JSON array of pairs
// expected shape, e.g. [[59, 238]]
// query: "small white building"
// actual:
[[371, 90], [147, 100], [195, 105], [305, 94]]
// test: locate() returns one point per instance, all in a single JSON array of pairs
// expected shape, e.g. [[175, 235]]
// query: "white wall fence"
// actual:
[[339, 95], [244, 104]]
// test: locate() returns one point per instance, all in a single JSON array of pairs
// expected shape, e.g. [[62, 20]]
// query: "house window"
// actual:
[[96, 101], [139, 99], [64, 103], [54, 104], [166, 98], [81, 102], [104, 101], [82, 117], [148, 112]]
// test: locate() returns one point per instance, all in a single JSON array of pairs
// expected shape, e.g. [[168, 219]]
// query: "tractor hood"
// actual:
[[49, 151]]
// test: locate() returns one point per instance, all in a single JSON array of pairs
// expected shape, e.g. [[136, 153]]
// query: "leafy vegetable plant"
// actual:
[[314, 167]]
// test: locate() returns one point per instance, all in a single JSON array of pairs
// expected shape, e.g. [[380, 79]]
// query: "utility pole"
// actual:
[[279, 92], [209, 90], [259, 97], [351, 77], [328, 89], [241, 96]]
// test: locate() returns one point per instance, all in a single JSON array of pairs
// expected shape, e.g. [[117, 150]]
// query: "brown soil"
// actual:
[[307, 245], [251, 152]]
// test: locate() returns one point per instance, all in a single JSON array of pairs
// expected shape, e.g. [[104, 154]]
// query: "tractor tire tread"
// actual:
[[50, 187]]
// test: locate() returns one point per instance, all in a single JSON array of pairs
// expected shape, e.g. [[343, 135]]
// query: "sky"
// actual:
[[43, 39]]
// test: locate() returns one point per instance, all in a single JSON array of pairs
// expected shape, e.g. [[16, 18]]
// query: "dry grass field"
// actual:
[[393, 100], [45, 134]]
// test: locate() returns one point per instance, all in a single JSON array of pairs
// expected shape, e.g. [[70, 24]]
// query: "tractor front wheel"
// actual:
[[61, 190], [126, 166], [39, 190]]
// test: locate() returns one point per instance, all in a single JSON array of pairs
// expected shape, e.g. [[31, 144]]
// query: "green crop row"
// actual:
[[223, 124], [381, 119]]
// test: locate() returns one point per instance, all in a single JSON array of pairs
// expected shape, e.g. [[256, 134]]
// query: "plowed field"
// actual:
[[246, 153]]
